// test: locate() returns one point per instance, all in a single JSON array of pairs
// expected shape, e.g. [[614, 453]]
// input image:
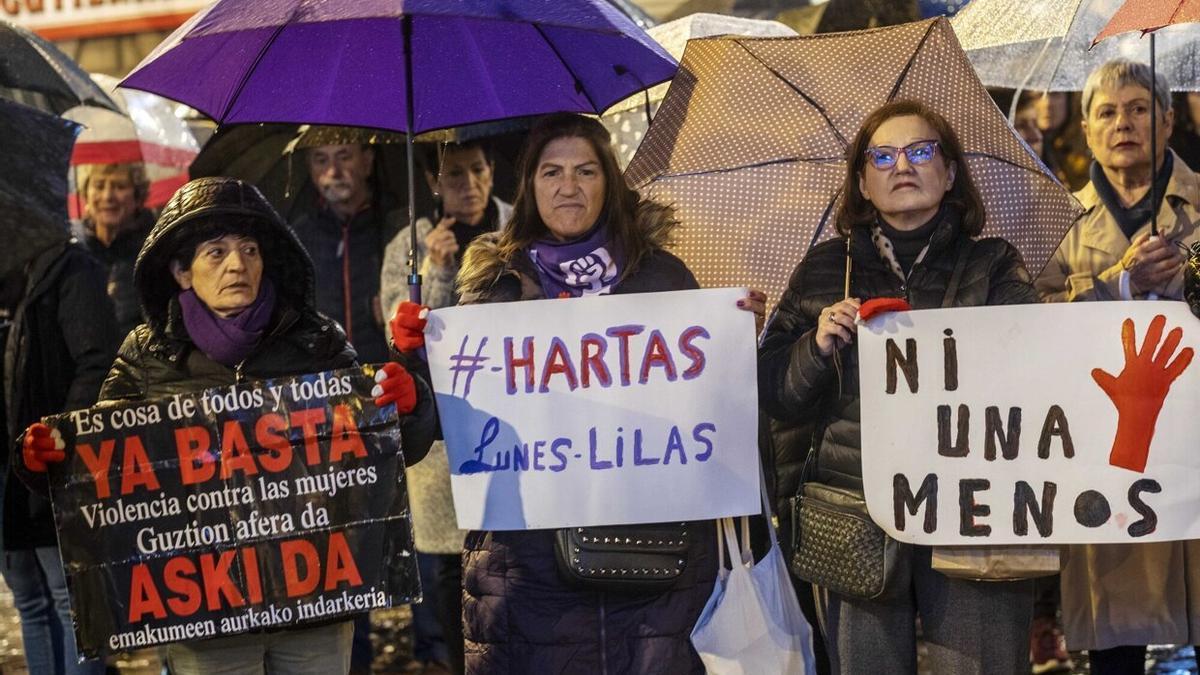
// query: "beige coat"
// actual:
[[1087, 265], [1125, 594]]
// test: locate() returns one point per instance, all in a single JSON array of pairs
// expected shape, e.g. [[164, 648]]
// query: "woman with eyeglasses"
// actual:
[[908, 220]]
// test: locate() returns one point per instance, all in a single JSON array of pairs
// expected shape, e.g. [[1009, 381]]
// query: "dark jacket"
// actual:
[[519, 616], [348, 257], [158, 358], [798, 385], [118, 259], [61, 342]]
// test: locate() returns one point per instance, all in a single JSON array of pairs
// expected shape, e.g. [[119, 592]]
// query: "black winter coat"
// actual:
[[118, 259], [61, 342], [519, 616], [797, 385], [348, 259]]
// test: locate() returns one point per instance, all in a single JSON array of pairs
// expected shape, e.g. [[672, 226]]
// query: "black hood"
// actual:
[[284, 259]]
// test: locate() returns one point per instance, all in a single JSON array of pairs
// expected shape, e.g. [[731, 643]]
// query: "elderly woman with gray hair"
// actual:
[[1118, 598]]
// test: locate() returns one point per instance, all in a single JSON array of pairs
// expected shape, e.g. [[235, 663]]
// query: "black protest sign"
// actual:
[[217, 512]]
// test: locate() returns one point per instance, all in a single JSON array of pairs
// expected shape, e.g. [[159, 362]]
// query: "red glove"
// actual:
[[42, 446], [408, 326], [876, 306], [395, 386]]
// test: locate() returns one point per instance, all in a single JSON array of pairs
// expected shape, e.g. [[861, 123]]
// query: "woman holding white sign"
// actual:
[[1117, 598], [529, 605], [908, 222]]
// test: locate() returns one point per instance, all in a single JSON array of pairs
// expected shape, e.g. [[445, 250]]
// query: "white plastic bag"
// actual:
[[752, 624]]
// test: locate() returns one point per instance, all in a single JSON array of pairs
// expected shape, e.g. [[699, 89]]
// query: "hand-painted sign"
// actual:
[[603, 410], [261, 505], [1033, 423]]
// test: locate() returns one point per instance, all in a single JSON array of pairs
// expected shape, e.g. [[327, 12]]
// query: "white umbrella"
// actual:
[[628, 120], [150, 129], [1043, 45]]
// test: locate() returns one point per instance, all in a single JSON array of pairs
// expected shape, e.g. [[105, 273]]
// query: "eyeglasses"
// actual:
[[883, 157]]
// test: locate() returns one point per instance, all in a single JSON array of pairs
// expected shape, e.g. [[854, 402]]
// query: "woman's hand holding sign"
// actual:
[[836, 327], [408, 326], [755, 301], [395, 385], [1139, 391], [42, 446]]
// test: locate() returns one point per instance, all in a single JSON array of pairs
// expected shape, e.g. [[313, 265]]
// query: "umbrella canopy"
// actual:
[[749, 146], [1044, 45], [149, 129], [35, 72], [1149, 15], [402, 65], [36, 148], [343, 63]]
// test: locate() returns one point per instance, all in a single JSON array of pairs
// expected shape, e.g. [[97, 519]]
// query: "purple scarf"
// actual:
[[585, 266], [228, 341]]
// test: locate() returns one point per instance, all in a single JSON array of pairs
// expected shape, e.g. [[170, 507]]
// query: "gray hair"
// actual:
[[135, 170], [1120, 73]]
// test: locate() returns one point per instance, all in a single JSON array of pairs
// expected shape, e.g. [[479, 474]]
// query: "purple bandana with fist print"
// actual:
[[585, 266]]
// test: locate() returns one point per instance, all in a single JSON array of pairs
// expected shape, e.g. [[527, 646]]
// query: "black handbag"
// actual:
[[623, 558], [838, 547], [835, 543]]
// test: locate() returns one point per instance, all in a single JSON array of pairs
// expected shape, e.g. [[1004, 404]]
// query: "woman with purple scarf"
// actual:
[[227, 293], [577, 229]]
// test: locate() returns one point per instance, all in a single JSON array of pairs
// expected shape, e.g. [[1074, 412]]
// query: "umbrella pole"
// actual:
[[414, 277], [1153, 143]]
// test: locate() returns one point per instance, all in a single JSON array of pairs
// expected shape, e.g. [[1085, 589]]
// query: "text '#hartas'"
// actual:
[[623, 355]]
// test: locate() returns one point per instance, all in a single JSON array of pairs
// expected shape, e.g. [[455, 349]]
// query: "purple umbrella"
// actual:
[[403, 65]]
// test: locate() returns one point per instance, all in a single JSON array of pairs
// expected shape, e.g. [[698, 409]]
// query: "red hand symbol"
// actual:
[[1139, 391]]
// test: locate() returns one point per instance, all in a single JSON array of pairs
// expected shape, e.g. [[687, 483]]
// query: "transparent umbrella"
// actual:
[[1043, 45]]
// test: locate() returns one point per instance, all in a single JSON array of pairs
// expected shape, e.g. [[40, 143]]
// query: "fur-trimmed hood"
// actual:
[[482, 266]]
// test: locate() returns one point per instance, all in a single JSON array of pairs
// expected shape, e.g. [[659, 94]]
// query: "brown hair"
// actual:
[[620, 201], [856, 210]]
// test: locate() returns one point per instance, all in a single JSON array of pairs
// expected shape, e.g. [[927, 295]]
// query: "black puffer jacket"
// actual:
[[158, 358], [118, 259], [519, 616], [798, 385], [62, 341]]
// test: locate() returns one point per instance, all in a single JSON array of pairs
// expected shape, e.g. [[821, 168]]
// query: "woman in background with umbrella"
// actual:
[[115, 223], [1117, 598], [908, 218]]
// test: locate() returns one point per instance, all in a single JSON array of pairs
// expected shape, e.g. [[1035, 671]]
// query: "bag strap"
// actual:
[[739, 554], [960, 265]]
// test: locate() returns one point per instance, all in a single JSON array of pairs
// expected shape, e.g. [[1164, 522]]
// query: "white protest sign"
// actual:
[[1072, 423], [605, 410]]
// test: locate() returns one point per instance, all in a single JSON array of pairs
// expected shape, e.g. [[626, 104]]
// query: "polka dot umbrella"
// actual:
[[749, 146]]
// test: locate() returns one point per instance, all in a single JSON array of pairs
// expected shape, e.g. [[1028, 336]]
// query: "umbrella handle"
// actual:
[[414, 287]]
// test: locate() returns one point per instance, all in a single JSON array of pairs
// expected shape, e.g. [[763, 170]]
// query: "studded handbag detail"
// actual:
[[623, 558]]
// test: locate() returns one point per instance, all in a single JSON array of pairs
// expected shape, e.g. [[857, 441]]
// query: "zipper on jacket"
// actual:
[[603, 638], [238, 376]]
